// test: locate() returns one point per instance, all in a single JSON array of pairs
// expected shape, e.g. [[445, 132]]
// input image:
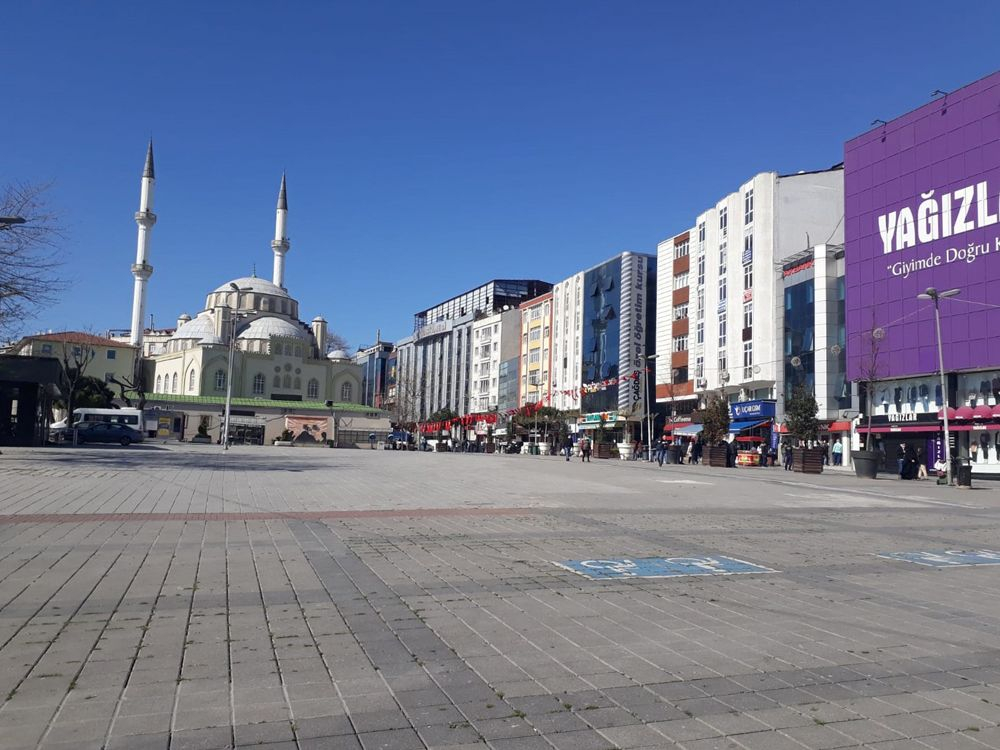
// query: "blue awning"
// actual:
[[691, 429], [741, 425]]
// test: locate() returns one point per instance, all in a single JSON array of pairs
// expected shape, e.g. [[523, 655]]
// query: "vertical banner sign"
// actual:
[[632, 344]]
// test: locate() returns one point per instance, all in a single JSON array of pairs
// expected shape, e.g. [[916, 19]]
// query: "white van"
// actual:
[[130, 417]]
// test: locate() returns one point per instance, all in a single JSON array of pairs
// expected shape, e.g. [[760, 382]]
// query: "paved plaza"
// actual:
[[181, 598]]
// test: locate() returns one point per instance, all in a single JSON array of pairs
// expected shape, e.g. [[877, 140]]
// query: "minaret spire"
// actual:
[[141, 269], [280, 244]]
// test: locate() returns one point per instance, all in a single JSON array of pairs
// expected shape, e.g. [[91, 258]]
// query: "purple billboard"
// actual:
[[922, 208]]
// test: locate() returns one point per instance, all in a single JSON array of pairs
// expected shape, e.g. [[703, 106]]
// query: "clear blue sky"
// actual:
[[431, 146]]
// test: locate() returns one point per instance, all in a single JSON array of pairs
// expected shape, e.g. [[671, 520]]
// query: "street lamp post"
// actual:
[[229, 372], [647, 358], [934, 295]]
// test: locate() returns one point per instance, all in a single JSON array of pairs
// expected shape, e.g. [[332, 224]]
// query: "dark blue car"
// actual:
[[107, 432]]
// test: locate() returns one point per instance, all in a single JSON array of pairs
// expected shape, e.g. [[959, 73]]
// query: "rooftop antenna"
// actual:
[[877, 121], [939, 92], [253, 272]]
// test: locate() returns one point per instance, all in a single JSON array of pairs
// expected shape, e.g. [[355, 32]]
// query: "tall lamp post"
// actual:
[[647, 358], [935, 296], [229, 371]]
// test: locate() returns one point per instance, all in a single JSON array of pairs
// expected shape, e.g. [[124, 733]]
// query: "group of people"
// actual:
[[688, 451], [911, 462]]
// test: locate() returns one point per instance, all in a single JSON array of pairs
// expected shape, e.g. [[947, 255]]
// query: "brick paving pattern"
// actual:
[[180, 598]]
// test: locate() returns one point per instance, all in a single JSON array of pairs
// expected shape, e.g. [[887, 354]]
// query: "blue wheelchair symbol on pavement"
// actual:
[[946, 558], [661, 567]]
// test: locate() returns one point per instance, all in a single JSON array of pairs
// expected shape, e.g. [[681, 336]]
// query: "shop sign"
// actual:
[[751, 410], [797, 268], [597, 418], [908, 417]]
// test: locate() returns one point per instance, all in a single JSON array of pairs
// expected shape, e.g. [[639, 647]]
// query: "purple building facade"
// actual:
[[922, 209]]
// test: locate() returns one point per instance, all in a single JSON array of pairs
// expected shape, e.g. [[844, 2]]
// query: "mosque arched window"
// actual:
[[298, 384], [298, 351], [220, 380], [191, 380], [288, 350], [277, 381], [346, 392], [258, 384], [159, 384], [173, 385], [288, 381], [312, 390]]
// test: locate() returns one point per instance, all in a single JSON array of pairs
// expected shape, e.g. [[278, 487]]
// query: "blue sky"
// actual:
[[432, 146]]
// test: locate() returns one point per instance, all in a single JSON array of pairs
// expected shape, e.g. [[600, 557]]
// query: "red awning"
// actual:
[[840, 427], [668, 428], [749, 439], [964, 412], [965, 427]]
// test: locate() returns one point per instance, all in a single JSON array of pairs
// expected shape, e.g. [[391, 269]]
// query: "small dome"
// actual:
[[319, 319], [184, 318], [264, 328], [253, 284], [201, 327], [338, 354]]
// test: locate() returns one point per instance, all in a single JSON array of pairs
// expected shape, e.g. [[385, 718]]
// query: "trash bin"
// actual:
[[962, 470], [675, 454]]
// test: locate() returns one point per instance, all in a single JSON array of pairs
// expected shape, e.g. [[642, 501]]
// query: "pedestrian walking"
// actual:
[[585, 449], [699, 447], [900, 459], [690, 452], [786, 454], [567, 446], [921, 464], [838, 454], [661, 450]]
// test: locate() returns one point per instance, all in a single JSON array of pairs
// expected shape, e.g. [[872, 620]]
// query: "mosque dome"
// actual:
[[198, 328], [263, 328], [338, 354], [253, 284]]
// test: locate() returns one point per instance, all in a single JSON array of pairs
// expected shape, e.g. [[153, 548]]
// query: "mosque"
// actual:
[[281, 370]]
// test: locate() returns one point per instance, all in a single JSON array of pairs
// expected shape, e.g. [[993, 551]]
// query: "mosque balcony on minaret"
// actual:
[[142, 270], [145, 218]]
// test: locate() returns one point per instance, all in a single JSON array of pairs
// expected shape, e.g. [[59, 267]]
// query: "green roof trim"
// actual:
[[262, 403]]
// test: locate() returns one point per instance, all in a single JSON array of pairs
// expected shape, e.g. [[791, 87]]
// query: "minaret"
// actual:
[[141, 269], [280, 243]]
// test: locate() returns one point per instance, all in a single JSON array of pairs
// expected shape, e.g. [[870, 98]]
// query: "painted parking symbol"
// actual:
[[661, 567], [946, 558]]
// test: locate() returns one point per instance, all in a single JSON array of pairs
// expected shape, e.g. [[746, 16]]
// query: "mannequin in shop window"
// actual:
[[911, 396], [995, 383], [925, 396], [897, 398], [984, 446]]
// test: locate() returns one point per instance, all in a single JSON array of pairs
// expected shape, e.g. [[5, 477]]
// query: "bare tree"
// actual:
[[335, 341], [133, 386], [871, 374], [405, 405], [75, 355], [27, 252]]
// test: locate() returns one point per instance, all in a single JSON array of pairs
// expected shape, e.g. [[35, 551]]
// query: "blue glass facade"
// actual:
[[601, 334]]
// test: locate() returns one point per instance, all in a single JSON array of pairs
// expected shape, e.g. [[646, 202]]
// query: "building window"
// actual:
[[112, 354], [535, 357], [701, 236], [191, 377], [748, 276], [298, 384], [680, 343], [723, 291], [748, 314], [681, 311], [701, 270], [723, 365], [46, 348], [258, 384], [699, 332], [312, 390], [346, 392], [546, 312], [159, 384], [277, 381], [536, 334], [722, 330], [699, 367], [748, 207], [287, 381], [724, 222], [681, 280], [748, 248], [220, 380], [681, 249], [701, 302], [747, 360]]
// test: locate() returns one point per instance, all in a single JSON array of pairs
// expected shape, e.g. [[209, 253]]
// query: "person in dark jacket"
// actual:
[[910, 463]]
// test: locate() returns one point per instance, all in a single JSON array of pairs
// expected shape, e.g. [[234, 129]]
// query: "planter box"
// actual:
[[715, 455], [602, 450], [201, 439], [807, 460], [866, 463]]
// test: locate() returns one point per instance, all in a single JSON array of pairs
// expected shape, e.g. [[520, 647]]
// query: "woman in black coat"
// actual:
[[910, 463]]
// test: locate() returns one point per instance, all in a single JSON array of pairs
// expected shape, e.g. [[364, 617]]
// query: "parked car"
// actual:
[[107, 432]]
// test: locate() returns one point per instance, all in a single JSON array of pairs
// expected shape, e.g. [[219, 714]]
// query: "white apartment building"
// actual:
[[495, 339], [435, 363], [718, 316], [567, 354]]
